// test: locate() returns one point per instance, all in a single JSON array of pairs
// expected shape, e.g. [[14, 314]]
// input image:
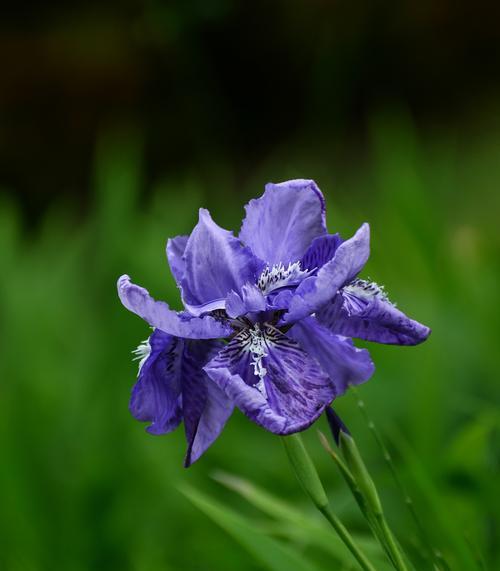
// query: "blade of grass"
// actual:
[[434, 501], [309, 528], [272, 554]]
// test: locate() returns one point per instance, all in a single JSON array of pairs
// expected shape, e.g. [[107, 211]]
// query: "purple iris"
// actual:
[[267, 323]]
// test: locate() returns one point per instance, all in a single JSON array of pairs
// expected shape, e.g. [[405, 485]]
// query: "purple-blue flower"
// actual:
[[268, 321]]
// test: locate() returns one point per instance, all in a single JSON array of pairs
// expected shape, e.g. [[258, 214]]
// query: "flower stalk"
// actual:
[[309, 479], [367, 488]]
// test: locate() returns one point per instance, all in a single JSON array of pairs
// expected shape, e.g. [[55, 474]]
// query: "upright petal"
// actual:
[[314, 292], [344, 363], [159, 315], [216, 263], [366, 314], [250, 299], [285, 392], [175, 255], [156, 395], [206, 408], [280, 226], [320, 251]]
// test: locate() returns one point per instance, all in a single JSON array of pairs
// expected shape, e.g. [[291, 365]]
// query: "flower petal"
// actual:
[[371, 318], [156, 395], [316, 291], [216, 263], [291, 391], [206, 407], [175, 252], [344, 363], [280, 226], [159, 315], [320, 251], [250, 299]]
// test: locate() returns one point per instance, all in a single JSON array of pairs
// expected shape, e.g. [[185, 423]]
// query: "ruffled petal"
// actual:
[[280, 226], [159, 315], [250, 299], [216, 263], [316, 291], [175, 252], [371, 317], [272, 380], [206, 408], [156, 395], [344, 363]]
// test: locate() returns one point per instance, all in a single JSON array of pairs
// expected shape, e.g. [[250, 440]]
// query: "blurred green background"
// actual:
[[117, 122]]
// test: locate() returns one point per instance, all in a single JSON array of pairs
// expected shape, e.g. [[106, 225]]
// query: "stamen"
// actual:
[[280, 275]]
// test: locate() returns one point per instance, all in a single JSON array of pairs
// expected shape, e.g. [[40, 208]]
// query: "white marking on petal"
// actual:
[[280, 275], [367, 290], [360, 292], [142, 353], [253, 340]]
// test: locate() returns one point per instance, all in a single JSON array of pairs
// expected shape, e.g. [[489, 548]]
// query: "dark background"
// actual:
[[226, 82]]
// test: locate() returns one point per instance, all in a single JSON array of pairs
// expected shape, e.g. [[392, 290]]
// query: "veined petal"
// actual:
[[315, 291], [206, 408], [159, 315], [216, 263], [280, 226], [175, 252], [250, 299], [366, 313], [156, 394], [320, 251], [344, 363], [272, 380]]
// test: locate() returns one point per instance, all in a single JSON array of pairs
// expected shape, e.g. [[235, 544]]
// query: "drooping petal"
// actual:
[[316, 291], [320, 251], [280, 226], [344, 363], [216, 263], [206, 408], [175, 252], [250, 299], [285, 392], [159, 315], [156, 394], [371, 317]]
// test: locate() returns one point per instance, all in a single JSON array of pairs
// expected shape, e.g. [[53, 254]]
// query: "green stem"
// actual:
[[392, 546], [369, 491], [309, 479], [346, 537], [372, 520]]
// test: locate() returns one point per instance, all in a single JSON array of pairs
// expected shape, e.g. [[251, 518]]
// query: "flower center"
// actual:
[[280, 275]]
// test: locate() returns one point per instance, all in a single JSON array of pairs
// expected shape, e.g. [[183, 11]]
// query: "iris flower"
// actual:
[[267, 324]]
